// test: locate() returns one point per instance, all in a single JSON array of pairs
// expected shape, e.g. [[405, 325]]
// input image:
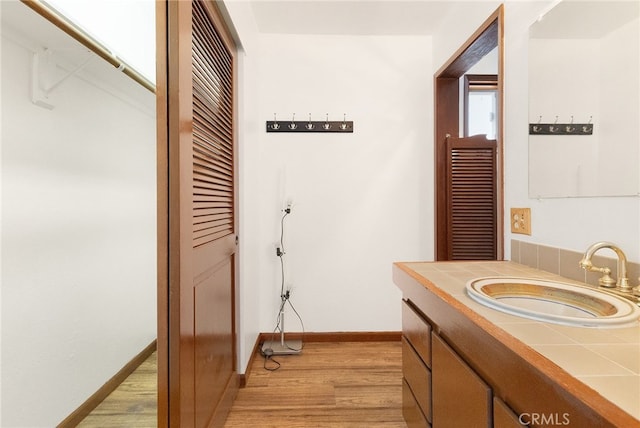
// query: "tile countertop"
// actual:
[[606, 360]]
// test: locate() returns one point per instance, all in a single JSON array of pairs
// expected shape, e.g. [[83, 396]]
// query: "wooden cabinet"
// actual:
[[418, 377], [416, 362], [503, 416], [460, 397], [439, 387], [457, 361], [411, 410], [417, 331]]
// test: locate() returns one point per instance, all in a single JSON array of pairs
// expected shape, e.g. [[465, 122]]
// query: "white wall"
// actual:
[[358, 197], [360, 200], [249, 129], [455, 28], [78, 239]]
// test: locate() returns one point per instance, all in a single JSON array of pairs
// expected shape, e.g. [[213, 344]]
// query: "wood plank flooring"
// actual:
[[330, 384], [345, 384], [133, 404]]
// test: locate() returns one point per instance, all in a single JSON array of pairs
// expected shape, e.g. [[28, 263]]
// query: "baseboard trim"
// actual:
[[341, 336], [254, 353], [98, 397]]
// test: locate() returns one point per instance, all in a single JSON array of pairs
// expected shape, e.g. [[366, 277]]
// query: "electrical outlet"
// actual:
[[521, 220]]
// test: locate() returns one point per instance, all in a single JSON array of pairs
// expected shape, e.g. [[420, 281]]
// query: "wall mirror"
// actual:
[[584, 75]]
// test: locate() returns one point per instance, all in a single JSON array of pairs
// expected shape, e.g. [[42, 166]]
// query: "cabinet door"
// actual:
[[459, 397], [503, 416]]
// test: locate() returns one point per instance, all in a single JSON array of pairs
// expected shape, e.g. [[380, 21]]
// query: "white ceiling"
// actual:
[[580, 19], [568, 19], [354, 17]]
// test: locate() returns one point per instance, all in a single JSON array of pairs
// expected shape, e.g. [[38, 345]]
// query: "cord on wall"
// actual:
[[283, 347]]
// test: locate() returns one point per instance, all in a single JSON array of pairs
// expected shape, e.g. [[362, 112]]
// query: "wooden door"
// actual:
[[197, 219]]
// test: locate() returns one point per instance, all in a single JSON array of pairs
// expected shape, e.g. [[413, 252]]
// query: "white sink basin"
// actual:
[[554, 301]]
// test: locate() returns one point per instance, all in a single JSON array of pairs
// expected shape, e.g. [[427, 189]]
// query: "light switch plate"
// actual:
[[521, 221]]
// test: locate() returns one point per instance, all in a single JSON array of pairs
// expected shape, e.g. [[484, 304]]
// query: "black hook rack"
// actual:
[[309, 125], [561, 128]]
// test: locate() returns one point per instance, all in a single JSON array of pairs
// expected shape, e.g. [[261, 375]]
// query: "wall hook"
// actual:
[[275, 125], [343, 125], [326, 125]]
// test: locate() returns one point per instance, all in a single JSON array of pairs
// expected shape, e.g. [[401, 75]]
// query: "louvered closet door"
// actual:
[[202, 378], [213, 235], [471, 195]]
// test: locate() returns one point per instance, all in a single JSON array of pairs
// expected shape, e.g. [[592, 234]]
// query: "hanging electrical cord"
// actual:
[[285, 295], [301, 325], [269, 357], [280, 250]]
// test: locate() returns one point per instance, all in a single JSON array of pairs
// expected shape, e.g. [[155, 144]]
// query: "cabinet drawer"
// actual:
[[411, 410], [503, 416], [418, 376], [460, 397], [417, 331]]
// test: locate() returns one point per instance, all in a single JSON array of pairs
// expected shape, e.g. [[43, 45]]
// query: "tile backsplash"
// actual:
[[565, 262]]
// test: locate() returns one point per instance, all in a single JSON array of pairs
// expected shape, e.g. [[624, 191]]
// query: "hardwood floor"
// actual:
[[346, 384], [330, 384], [132, 404]]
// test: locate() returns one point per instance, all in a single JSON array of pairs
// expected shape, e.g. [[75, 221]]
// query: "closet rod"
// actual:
[[81, 36]]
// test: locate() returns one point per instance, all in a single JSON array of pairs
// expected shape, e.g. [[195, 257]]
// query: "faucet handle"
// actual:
[[605, 280]]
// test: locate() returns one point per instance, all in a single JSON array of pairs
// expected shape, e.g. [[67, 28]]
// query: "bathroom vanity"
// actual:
[[465, 364]]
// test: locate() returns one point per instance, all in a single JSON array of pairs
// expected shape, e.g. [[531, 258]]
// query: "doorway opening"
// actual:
[[480, 105], [468, 171]]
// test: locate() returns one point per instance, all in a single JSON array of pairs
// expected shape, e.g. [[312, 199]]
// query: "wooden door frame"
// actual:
[[162, 215], [168, 15], [447, 121]]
